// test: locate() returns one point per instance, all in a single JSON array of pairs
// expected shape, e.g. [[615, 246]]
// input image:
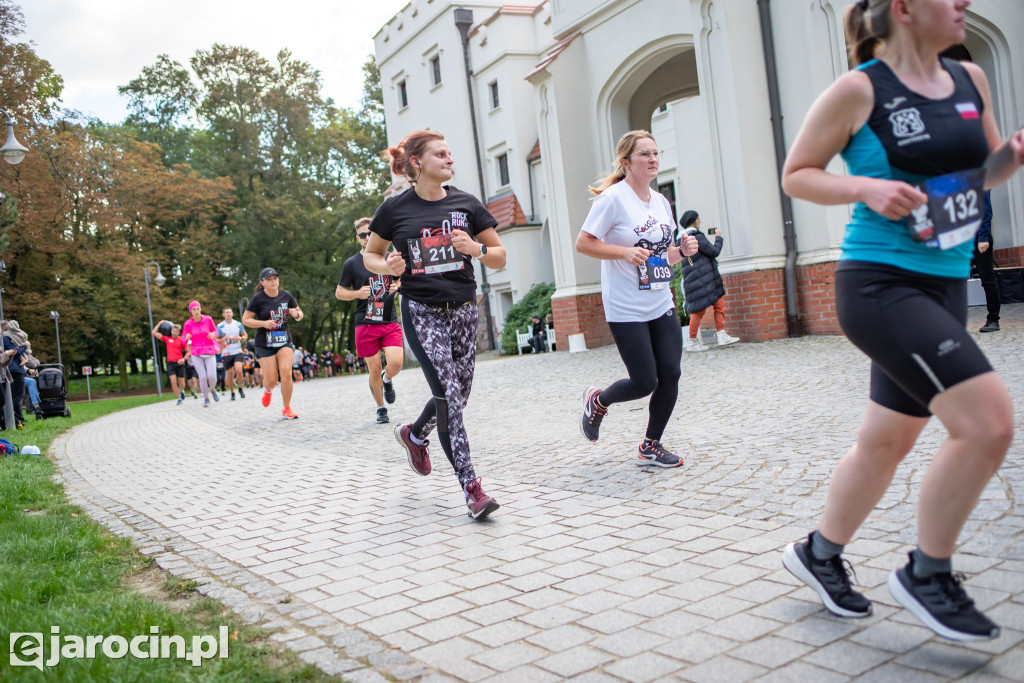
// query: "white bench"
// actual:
[[523, 339]]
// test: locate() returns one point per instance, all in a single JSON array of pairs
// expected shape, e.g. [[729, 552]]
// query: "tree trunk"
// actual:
[[122, 366]]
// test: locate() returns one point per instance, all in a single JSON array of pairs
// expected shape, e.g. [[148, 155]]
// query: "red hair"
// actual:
[[399, 156]]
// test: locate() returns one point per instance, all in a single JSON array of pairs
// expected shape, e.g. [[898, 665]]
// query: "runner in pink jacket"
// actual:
[[200, 333]]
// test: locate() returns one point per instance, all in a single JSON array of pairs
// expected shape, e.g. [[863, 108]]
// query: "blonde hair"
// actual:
[[360, 222], [399, 157], [625, 147], [868, 24]]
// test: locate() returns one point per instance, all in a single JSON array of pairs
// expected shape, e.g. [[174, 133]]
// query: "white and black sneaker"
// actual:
[[941, 602], [389, 388], [593, 413], [382, 415], [652, 453], [829, 578]]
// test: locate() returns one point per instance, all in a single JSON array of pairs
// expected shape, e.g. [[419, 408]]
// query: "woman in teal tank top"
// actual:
[[913, 129]]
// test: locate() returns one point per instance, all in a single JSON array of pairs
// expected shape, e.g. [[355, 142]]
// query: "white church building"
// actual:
[[722, 84]]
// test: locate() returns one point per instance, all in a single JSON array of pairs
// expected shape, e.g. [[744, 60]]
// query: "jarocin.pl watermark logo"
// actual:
[[27, 648]]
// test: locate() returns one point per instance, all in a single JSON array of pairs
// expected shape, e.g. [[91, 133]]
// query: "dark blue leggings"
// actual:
[[651, 352]]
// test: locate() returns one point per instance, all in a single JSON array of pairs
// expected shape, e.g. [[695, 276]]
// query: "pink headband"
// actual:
[[194, 304]]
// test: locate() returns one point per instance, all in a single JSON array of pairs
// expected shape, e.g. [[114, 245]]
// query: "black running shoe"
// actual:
[[389, 389], [241, 394], [232, 396], [654, 454], [830, 579], [990, 326], [382, 415], [941, 602], [593, 413]]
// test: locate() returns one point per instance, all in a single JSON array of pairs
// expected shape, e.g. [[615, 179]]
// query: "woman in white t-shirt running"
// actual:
[[630, 228]]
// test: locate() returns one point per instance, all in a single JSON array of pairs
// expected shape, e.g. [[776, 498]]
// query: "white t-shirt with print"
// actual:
[[618, 217], [232, 329]]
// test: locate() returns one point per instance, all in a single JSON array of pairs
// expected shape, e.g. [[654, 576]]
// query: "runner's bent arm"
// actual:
[[249, 320], [495, 256], [377, 260], [346, 294], [988, 120], [832, 120]]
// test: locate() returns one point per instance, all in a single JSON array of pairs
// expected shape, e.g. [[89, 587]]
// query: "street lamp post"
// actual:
[[159, 280], [464, 21], [12, 152], [55, 316], [242, 304]]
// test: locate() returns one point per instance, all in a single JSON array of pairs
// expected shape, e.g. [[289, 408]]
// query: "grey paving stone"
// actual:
[[647, 666], [691, 556], [574, 661], [722, 669]]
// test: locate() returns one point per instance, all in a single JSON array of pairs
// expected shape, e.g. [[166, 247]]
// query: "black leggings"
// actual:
[[651, 352], [444, 342]]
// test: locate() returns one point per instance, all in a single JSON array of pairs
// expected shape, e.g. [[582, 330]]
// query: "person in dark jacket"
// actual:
[[983, 261], [702, 284], [16, 340]]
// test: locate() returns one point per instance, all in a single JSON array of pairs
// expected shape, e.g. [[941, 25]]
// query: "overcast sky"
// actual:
[[97, 45]]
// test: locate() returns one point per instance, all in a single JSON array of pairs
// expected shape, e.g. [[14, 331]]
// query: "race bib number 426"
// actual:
[[953, 212], [434, 254]]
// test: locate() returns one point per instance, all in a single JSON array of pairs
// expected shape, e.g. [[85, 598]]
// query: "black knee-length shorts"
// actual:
[[912, 327]]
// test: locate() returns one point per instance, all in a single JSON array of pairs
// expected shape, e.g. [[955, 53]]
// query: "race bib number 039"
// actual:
[[655, 273], [434, 254], [953, 212]]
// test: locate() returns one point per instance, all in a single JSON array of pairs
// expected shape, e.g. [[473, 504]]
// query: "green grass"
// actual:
[[60, 568], [103, 386]]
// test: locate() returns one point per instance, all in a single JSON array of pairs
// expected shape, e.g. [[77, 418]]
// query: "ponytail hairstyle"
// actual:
[[258, 287], [868, 24], [627, 143], [399, 157]]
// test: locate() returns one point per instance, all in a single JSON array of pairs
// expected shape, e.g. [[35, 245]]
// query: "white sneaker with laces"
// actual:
[[694, 345], [724, 338]]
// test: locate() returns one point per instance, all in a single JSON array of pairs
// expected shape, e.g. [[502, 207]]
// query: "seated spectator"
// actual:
[[539, 340]]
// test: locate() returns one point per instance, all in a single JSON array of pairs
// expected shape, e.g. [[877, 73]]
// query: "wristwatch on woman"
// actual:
[[483, 251]]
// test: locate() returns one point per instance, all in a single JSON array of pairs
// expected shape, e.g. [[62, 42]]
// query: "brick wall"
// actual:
[[580, 314], [755, 306], [1012, 257]]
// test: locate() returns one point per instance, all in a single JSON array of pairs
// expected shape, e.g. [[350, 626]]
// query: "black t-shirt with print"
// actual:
[[354, 275], [265, 307], [406, 219]]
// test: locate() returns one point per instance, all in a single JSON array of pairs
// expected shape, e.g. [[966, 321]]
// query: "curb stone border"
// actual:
[[361, 657]]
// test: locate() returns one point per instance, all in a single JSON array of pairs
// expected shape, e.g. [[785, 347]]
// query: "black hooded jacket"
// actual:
[[702, 284]]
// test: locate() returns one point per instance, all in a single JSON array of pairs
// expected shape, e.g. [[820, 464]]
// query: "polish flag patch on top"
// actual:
[[967, 110]]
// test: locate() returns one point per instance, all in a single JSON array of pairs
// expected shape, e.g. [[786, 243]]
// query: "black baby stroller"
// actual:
[[53, 392]]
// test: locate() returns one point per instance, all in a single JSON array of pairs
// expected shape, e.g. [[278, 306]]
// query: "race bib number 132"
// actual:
[[953, 212]]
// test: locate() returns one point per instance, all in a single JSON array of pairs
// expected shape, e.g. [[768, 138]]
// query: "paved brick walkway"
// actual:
[[593, 567]]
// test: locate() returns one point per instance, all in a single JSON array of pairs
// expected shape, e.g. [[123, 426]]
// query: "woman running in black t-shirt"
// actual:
[[268, 311], [433, 227]]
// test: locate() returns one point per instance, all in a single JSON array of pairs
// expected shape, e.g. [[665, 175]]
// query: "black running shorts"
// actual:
[[912, 327]]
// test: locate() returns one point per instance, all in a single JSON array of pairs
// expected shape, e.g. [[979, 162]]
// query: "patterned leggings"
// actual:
[[444, 342]]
